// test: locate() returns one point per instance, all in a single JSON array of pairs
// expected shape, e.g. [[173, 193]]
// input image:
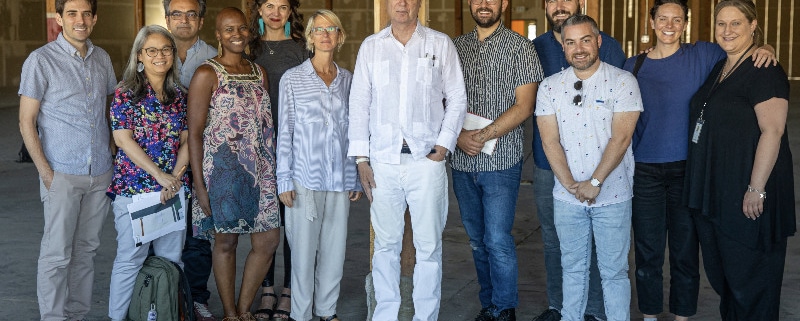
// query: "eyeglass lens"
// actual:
[[190, 15], [152, 52]]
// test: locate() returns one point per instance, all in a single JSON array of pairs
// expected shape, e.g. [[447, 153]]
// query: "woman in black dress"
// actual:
[[739, 171]]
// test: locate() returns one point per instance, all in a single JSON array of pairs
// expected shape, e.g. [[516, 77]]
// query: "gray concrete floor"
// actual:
[[21, 231]]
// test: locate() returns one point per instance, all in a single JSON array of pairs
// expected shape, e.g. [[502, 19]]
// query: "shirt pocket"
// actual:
[[309, 109]]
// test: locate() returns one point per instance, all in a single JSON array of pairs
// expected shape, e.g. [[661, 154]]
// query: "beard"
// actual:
[[485, 22], [590, 60], [555, 25]]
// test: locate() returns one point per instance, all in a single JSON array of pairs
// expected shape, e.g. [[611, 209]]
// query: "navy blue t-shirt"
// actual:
[[551, 56], [667, 86]]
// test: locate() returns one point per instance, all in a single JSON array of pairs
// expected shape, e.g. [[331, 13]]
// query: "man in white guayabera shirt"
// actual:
[[407, 105]]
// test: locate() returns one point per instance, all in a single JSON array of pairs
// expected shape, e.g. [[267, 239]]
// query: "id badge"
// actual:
[[698, 127]]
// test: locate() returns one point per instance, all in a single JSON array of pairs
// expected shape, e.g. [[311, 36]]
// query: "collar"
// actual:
[[197, 44], [308, 68], [67, 47], [387, 32], [496, 33]]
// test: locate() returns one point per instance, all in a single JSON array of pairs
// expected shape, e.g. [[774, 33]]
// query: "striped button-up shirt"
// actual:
[[72, 92], [493, 69], [398, 94], [312, 132]]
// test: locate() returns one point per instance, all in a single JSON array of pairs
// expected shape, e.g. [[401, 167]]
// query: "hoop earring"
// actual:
[[260, 26], [287, 29], [140, 67]]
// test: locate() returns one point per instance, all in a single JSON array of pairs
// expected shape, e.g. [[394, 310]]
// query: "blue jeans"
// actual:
[[611, 227], [543, 182], [658, 216], [488, 201]]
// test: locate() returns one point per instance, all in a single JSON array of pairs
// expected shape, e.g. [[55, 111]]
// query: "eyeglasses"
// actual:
[[489, 2], [178, 15], [578, 100], [320, 30], [153, 52]]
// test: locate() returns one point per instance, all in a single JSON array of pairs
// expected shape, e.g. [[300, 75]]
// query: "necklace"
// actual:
[[735, 65], [271, 52]]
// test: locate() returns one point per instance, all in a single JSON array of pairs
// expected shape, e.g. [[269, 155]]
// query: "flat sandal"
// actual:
[[330, 318]]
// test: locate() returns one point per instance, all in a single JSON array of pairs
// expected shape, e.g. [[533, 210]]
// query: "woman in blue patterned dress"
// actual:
[[148, 118], [232, 140]]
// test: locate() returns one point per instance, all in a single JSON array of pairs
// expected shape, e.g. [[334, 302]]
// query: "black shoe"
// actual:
[[507, 315], [485, 314], [591, 318], [549, 315]]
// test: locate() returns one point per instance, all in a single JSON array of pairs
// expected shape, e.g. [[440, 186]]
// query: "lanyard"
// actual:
[[698, 127]]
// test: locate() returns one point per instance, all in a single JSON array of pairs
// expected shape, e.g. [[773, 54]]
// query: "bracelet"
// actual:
[[360, 160], [761, 194]]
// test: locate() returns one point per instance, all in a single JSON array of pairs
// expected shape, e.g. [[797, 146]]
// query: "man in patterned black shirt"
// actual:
[[501, 73]]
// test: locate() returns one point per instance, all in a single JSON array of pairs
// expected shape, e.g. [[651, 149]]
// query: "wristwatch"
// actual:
[[595, 182]]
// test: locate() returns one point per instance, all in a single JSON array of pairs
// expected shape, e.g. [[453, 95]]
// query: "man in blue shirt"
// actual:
[[184, 21], [551, 55], [63, 90]]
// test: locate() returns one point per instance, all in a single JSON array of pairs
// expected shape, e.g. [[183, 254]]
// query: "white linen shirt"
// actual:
[[586, 129], [413, 92]]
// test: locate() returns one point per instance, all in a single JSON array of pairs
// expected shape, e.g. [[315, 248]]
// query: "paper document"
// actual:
[[472, 122], [150, 219]]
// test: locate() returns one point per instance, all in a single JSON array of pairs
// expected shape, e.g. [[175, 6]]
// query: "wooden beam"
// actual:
[[507, 14], [329, 4], [138, 17], [459, 18]]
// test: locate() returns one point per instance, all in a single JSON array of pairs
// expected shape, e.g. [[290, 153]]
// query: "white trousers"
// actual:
[[422, 184], [75, 208], [316, 226], [130, 258]]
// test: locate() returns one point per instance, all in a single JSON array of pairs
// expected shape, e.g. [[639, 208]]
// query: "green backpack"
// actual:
[[162, 287]]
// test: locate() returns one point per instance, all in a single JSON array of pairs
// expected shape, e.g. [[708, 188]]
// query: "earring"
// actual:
[[140, 67], [260, 26], [287, 29]]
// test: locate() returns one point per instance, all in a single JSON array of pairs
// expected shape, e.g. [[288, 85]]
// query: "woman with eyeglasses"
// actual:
[[232, 142], [316, 179], [148, 119], [668, 77], [279, 44], [739, 174]]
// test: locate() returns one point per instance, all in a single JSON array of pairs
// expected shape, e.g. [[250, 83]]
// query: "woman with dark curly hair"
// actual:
[[278, 46]]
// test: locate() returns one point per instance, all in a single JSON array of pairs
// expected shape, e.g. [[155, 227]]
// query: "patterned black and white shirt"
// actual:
[[493, 69]]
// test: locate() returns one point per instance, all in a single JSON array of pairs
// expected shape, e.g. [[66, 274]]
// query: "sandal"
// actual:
[[266, 311], [330, 318], [231, 319], [247, 317], [283, 312]]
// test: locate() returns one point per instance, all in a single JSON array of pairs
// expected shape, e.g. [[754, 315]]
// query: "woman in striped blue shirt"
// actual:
[[316, 179]]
